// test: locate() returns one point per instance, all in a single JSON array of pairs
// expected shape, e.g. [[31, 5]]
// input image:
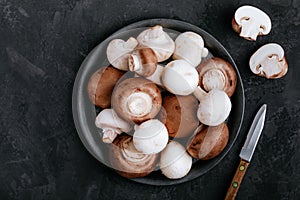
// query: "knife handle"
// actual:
[[237, 180]]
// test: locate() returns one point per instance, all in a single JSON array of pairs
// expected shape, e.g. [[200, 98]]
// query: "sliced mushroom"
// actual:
[[101, 85], [128, 161], [189, 46], [251, 22], [111, 125], [214, 107], [150, 137], [208, 141], [180, 77], [175, 162], [158, 40], [269, 61], [216, 73], [118, 52], [136, 100], [143, 61], [179, 114]]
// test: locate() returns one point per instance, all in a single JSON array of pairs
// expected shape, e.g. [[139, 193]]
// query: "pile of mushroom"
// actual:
[[157, 89]]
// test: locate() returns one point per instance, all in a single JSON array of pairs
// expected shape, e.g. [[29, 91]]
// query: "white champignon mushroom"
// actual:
[[158, 40], [180, 77], [175, 162], [250, 22], [150, 137], [189, 46], [118, 52], [214, 107], [111, 125], [269, 61]]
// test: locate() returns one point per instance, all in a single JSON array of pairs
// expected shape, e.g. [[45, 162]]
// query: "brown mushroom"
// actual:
[[179, 114], [216, 73], [128, 161], [101, 85], [136, 100], [208, 141], [143, 61]]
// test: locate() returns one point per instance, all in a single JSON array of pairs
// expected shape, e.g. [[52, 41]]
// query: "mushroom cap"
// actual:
[[158, 40], [136, 100], [214, 108], [189, 46], [150, 137], [128, 161], [250, 22], [118, 52], [208, 141], [101, 85], [269, 61], [143, 61], [175, 162], [180, 77], [216, 73], [179, 114], [107, 118]]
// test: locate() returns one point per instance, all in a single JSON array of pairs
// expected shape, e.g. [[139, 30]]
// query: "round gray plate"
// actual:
[[84, 112]]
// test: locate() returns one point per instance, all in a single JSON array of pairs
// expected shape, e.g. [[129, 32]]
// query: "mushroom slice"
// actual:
[[208, 141], [251, 22], [143, 61], [216, 73], [111, 125], [158, 40], [101, 85], [150, 137], [118, 52], [175, 162], [214, 107], [128, 161], [189, 46], [180, 77], [179, 114], [136, 100], [269, 61]]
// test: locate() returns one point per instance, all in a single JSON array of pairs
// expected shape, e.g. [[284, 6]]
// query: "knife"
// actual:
[[247, 152]]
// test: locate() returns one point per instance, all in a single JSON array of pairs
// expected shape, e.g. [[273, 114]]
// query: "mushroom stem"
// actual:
[[204, 52], [139, 104], [156, 76], [250, 32], [134, 63], [109, 134], [214, 78], [199, 93]]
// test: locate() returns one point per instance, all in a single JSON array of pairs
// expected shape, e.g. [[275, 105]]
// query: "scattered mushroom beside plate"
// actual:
[[160, 89], [251, 22]]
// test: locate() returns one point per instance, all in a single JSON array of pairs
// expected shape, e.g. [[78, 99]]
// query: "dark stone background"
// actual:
[[42, 46]]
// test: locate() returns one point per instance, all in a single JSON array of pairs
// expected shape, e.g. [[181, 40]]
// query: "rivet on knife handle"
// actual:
[[236, 181]]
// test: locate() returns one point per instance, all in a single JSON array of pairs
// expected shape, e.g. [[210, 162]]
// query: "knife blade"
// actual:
[[247, 151]]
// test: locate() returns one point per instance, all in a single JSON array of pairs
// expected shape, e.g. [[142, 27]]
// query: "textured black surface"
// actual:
[[42, 46]]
